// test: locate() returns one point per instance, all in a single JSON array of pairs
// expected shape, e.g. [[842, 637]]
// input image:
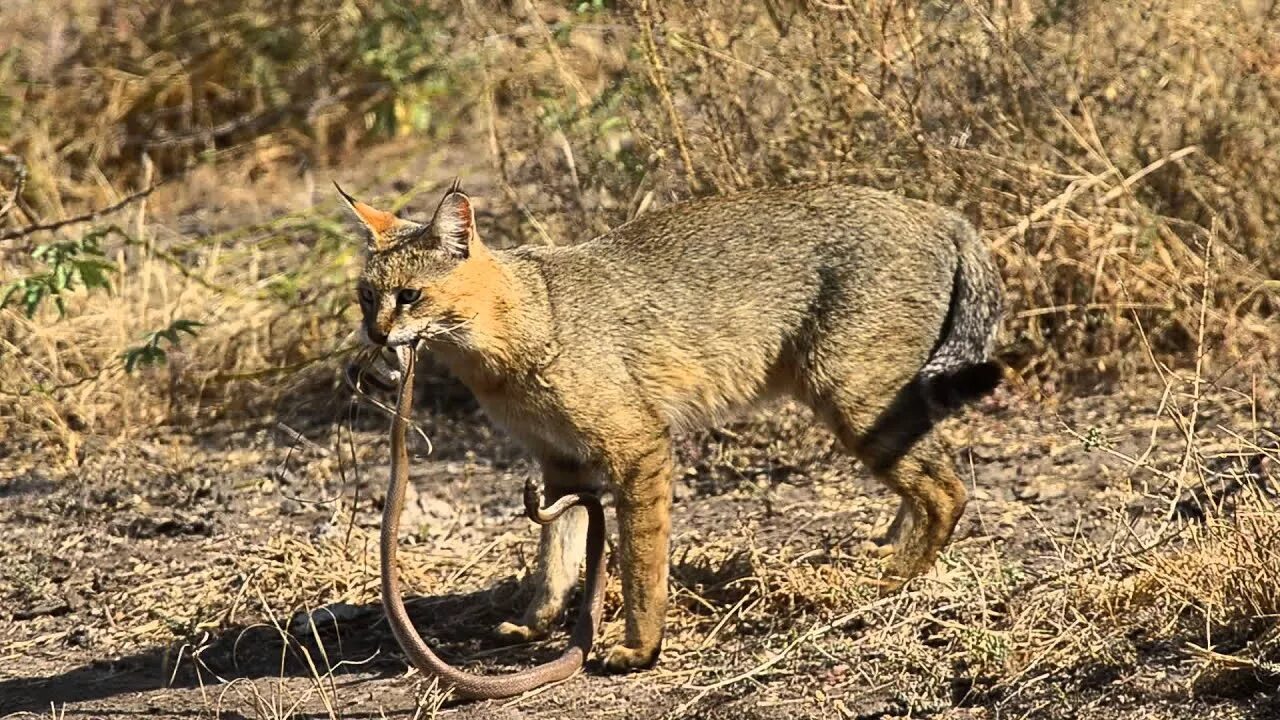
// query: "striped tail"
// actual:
[[961, 369]]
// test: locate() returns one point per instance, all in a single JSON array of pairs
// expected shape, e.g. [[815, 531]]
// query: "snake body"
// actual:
[[462, 683]]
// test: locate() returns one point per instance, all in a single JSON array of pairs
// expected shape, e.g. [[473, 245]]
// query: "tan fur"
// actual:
[[876, 311], [377, 220], [479, 292]]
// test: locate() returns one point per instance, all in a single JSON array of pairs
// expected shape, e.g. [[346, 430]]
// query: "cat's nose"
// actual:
[[376, 336]]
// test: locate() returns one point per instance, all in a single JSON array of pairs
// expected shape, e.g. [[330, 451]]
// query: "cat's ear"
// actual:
[[384, 229], [454, 224]]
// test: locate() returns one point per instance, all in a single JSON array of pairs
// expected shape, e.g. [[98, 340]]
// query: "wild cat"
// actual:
[[876, 311]]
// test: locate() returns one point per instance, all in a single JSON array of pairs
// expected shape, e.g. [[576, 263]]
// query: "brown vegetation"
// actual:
[[1120, 156]]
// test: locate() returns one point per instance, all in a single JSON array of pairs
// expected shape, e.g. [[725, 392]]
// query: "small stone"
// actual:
[[681, 491], [81, 637], [1052, 491], [302, 622], [1040, 489]]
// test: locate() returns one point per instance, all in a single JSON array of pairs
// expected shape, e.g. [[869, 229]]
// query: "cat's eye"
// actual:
[[367, 298], [408, 296]]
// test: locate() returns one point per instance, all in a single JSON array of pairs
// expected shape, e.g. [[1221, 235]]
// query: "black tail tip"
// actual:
[[952, 391]]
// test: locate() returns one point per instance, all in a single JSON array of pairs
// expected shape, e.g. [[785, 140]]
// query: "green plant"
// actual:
[[591, 6], [1095, 439], [988, 648], [68, 265], [150, 352]]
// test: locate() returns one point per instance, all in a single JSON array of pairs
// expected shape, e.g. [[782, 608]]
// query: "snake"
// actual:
[[460, 682]]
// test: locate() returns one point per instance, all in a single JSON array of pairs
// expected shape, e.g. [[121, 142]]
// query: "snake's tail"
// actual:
[[419, 653]]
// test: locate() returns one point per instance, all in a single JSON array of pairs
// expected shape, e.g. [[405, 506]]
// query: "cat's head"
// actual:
[[421, 280]]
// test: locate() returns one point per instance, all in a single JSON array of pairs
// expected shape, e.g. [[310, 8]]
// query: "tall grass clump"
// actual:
[[119, 322], [1108, 150]]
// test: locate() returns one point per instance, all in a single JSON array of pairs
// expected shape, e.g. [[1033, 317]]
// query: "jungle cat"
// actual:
[[876, 311]]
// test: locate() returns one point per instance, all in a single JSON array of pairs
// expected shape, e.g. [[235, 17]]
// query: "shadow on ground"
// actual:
[[342, 640]]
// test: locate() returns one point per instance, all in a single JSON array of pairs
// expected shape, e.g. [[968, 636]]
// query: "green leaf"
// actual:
[[150, 351], [34, 295], [67, 265], [187, 326]]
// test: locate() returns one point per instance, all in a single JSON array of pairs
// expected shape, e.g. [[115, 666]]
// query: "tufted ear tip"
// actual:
[[343, 193], [454, 222], [380, 223]]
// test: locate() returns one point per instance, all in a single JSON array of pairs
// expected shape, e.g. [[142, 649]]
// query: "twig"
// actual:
[[1062, 200], [1205, 279], [301, 439], [571, 82], [475, 560], [658, 76], [563, 141], [1057, 309], [810, 634], [1129, 182], [679, 40], [19, 181], [1096, 564], [86, 217], [500, 162], [1133, 462]]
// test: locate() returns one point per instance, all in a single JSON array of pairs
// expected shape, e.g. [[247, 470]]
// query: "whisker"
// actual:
[[448, 330], [354, 385]]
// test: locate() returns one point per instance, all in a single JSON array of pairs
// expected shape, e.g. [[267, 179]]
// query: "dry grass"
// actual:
[[1118, 155], [224, 100], [773, 604], [1099, 146], [1102, 191]]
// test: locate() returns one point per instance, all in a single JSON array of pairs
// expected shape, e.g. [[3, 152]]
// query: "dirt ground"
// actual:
[[170, 576], [174, 573], [176, 541]]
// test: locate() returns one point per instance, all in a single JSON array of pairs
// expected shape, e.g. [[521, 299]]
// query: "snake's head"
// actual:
[[404, 356], [377, 367], [373, 367]]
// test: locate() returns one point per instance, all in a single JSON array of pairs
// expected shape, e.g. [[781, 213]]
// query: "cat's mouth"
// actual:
[[372, 370], [399, 338]]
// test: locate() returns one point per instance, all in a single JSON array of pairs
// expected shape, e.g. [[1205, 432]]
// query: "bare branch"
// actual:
[[19, 181], [86, 217]]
